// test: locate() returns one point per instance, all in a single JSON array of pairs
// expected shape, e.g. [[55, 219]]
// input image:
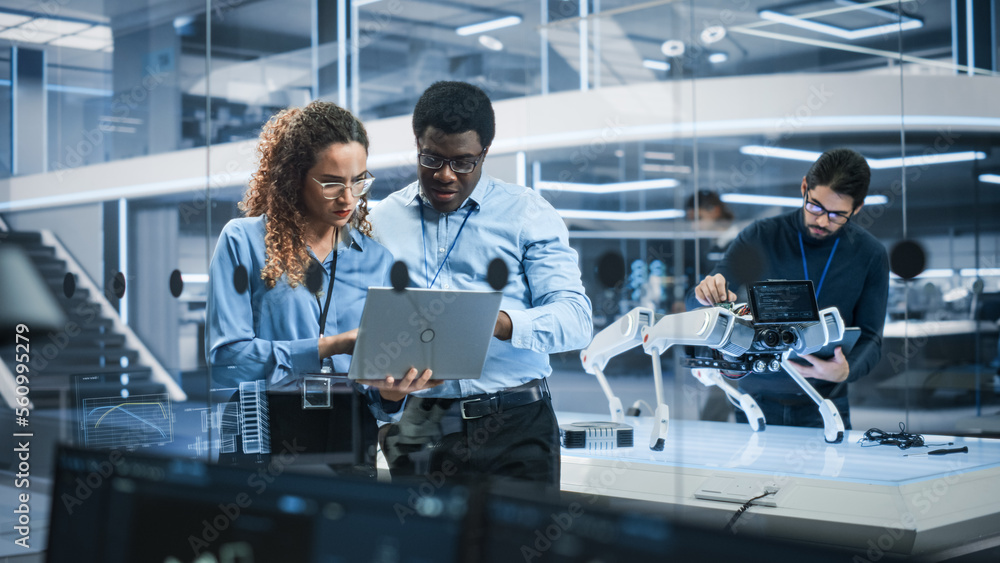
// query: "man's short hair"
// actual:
[[455, 107], [845, 171]]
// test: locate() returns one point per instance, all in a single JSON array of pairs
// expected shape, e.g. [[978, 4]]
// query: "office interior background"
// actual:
[[132, 125]]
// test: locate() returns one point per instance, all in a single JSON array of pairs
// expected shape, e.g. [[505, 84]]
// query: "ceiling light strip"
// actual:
[[827, 12], [803, 22], [874, 163], [615, 187], [895, 56], [490, 25], [609, 13], [621, 215], [783, 201]]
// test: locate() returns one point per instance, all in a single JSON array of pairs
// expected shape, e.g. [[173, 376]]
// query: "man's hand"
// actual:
[[504, 328], [393, 389], [713, 290], [836, 369], [342, 343]]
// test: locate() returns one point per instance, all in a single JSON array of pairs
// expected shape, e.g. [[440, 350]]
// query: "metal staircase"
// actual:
[[95, 353]]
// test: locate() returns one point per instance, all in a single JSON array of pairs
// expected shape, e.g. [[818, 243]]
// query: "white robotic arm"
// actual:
[[618, 337], [714, 327], [751, 347]]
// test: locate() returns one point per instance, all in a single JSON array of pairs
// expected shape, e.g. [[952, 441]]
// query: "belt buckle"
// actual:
[[461, 409]]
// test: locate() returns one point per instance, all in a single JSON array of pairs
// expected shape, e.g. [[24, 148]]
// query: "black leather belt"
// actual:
[[478, 406]]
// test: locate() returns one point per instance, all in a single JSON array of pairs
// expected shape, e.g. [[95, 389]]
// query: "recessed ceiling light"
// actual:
[[718, 58], [656, 65], [483, 27], [713, 34], [183, 21], [991, 178], [491, 43], [672, 48]]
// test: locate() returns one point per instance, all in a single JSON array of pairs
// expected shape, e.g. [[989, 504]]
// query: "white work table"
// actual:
[[868, 499]]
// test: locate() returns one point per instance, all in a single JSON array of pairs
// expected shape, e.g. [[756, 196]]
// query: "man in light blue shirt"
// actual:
[[447, 227]]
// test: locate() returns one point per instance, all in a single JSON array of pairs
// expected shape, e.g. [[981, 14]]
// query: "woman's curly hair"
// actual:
[[289, 144]]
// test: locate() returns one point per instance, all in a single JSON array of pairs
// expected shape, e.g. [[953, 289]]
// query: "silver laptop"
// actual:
[[448, 331]]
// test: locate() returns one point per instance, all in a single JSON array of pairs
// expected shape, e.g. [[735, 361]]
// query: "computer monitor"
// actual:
[[111, 507]]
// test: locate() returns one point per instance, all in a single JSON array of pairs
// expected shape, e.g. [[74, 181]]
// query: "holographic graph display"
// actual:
[[114, 422]]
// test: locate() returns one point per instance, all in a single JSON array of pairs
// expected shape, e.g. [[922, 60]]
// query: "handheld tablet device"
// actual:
[[851, 335], [783, 302], [448, 331]]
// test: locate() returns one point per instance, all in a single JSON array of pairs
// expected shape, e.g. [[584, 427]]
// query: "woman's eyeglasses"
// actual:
[[333, 190]]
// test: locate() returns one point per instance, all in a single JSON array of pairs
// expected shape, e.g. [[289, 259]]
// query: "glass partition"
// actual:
[[658, 130]]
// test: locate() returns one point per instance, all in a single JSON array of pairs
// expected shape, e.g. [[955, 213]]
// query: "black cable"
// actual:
[[742, 509], [902, 439]]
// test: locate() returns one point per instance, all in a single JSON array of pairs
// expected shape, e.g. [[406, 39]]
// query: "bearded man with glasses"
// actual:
[[849, 269]]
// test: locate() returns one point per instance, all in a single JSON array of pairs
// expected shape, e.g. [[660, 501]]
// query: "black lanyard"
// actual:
[[329, 291]]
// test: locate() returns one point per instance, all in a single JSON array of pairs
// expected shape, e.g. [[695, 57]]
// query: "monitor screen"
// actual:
[[111, 507], [783, 302]]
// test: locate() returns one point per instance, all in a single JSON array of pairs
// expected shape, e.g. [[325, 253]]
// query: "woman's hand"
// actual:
[[393, 389], [342, 343]]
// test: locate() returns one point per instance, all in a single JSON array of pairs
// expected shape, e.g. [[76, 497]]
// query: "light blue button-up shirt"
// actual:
[[273, 334], [544, 296]]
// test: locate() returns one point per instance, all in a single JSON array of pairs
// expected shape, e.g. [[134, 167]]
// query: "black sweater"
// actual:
[[857, 283]]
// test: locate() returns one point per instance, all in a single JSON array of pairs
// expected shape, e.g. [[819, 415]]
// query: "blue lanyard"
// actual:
[[423, 238], [329, 290], [805, 268]]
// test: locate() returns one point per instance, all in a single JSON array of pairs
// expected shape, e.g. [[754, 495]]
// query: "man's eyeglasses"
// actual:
[[333, 190], [458, 166], [835, 217]]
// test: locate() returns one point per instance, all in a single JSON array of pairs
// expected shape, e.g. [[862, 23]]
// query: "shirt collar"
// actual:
[[357, 240]]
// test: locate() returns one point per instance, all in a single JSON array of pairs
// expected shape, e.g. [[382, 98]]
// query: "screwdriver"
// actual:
[[962, 450]]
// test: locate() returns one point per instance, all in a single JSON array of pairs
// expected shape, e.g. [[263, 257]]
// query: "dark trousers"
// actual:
[[434, 441], [795, 410]]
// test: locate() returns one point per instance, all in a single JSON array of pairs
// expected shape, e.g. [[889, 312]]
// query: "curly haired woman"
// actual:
[[306, 217]]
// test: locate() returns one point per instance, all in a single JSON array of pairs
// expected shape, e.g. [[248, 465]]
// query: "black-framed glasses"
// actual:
[[835, 217], [333, 190], [458, 166]]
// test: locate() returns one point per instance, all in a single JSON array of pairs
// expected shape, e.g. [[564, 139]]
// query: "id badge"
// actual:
[[316, 393]]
